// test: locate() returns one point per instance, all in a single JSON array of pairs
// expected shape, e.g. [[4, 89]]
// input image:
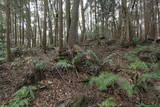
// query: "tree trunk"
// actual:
[[73, 33], [68, 17], [60, 17], [8, 29], [83, 22], [45, 25]]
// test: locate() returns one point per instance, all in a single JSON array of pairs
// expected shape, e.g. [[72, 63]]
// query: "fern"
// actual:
[[41, 66], [109, 59], [147, 105], [132, 55], [25, 92], [76, 59], [105, 79], [108, 103], [135, 40], [22, 98], [64, 64], [139, 65], [148, 76], [93, 55], [125, 85]]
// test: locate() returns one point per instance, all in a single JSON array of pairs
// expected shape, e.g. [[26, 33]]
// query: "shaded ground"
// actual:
[[68, 86]]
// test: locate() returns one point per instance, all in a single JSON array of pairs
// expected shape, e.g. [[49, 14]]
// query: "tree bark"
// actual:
[[60, 17], [73, 33], [8, 29]]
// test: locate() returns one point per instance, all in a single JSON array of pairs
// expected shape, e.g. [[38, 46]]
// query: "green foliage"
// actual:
[[108, 103], [2, 59], [105, 79], [2, 50], [135, 40], [109, 59], [147, 105], [92, 55], [139, 65], [41, 66], [22, 98], [148, 76], [132, 55], [64, 64], [76, 59]]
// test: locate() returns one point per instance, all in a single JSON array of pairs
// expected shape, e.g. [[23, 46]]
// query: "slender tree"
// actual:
[[8, 29], [60, 24]]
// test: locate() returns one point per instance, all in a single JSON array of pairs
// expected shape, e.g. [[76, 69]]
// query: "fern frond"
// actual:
[[64, 64], [41, 66], [76, 59], [139, 65], [125, 85], [93, 55], [22, 98], [148, 76], [108, 103], [105, 79]]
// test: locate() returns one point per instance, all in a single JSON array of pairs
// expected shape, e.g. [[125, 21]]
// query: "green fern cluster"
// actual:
[[41, 66], [88, 57], [93, 55], [139, 65], [132, 55], [109, 59], [64, 64], [76, 59], [148, 76], [147, 105], [135, 41], [105, 79], [108, 103], [22, 98]]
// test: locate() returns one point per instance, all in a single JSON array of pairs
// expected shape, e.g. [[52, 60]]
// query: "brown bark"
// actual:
[[8, 29], [73, 33], [60, 17]]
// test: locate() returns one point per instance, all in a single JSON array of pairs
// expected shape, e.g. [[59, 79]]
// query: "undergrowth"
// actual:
[[2, 52], [132, 55], [147, 105], [105, 79], [64, 64], [22, 98], [41, 66], [108, 103], [139, 66]]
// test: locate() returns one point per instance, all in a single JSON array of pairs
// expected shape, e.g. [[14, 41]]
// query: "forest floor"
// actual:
[[60, 88]]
